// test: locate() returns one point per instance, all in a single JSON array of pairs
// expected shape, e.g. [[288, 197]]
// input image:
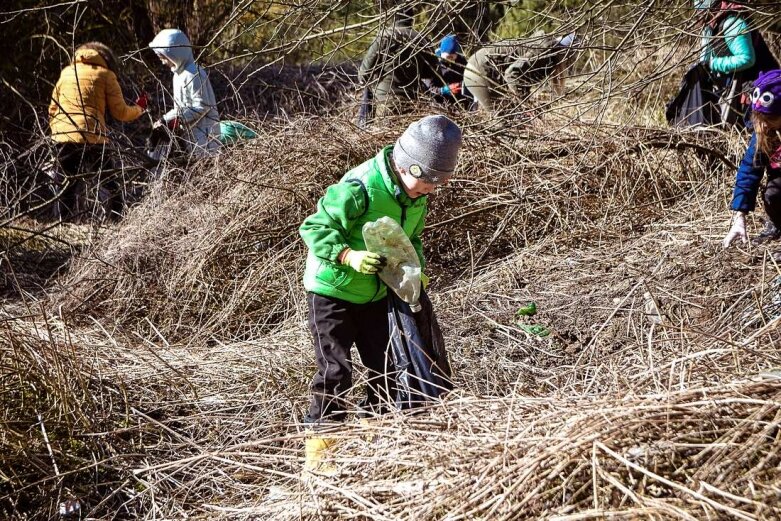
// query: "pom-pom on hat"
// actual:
[[428, 149], [766, 97]]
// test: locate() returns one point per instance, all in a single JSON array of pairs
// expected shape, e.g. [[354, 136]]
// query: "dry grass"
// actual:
[[172, 374], [218, 253], [663, 456], [165, 374]]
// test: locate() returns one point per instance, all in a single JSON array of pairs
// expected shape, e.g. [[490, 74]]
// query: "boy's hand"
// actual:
[[364, 261]]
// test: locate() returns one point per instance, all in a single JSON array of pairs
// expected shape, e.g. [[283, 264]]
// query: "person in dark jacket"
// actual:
[[345, 296], [449, 81], [397, 66], [762, 155], [512, 67]]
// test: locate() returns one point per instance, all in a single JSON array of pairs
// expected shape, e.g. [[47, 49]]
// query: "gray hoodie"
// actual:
[[194, 103]]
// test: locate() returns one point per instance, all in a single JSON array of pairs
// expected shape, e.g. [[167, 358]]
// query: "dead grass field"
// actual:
[[158, 368], [164, 375]]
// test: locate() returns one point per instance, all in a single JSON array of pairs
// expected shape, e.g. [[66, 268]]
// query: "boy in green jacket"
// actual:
[[345, 297]]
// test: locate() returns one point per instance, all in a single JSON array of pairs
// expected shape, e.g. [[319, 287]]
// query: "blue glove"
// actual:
[[445, 91]]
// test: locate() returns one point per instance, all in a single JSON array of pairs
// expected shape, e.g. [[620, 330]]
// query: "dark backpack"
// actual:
[[765, 61]]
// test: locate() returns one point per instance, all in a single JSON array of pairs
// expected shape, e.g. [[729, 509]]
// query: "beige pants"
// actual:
[[487, 92], [476, 80]]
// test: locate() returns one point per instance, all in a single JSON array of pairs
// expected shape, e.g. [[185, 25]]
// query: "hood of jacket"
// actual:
[[174, 45], [90, 57]]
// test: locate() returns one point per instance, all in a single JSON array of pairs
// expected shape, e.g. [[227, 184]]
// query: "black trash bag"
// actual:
[[764, 60], [158, 145], [418, 353], [696, 103]]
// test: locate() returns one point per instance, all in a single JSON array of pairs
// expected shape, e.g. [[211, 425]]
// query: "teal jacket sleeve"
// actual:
[[737, 36], [325, 232], [416, 242]]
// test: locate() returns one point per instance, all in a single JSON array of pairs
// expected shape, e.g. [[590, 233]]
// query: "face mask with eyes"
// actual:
[[766, 97]]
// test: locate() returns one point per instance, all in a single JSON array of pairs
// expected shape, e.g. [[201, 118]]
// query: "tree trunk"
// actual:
[[165, 14]]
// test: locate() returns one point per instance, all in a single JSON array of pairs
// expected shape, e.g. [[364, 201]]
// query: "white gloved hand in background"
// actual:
[[738, 230]]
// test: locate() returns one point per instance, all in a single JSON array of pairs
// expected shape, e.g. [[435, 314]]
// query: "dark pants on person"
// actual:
[[772, 199], [366, 108], [336, 325], [80, 167]]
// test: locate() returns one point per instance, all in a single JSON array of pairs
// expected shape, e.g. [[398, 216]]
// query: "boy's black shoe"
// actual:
[[769, 233]]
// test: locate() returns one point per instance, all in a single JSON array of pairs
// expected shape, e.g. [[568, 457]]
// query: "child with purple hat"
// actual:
[[763, 154]]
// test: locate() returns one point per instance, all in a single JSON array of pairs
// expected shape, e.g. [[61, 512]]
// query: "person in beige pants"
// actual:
[[512, 67]]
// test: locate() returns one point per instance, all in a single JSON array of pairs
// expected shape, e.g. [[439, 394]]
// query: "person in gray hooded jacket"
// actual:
[[195, 106]]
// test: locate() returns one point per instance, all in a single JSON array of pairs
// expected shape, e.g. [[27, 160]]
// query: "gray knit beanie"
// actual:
[[428, 149]]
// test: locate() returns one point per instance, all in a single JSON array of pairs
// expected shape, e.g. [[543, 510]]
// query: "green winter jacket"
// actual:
[[364, 194]]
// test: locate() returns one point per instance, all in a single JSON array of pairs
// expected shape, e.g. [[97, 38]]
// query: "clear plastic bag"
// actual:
[[402, 271]]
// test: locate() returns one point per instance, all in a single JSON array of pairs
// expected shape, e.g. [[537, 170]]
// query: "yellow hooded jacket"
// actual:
[[79, 101]]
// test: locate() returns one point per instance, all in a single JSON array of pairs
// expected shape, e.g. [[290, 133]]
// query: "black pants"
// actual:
[[772, 199], [335, 326], [81, 166], [366, 108]]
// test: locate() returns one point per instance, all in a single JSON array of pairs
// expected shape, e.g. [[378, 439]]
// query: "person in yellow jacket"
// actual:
[[86, 89]]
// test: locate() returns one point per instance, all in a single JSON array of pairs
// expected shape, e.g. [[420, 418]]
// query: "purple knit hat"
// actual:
[[766, 98]]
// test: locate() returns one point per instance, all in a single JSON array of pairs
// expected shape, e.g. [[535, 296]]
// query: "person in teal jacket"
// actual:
[[346, 299], [728, 52]]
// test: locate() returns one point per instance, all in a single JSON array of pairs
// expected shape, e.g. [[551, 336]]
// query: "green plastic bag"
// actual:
[[232, 132], [535, 329], [529, 310]]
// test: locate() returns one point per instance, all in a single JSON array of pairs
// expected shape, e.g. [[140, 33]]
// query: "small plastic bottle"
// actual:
[[402, 271]]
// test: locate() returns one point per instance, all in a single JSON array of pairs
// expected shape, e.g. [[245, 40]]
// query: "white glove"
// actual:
[[738, 230]]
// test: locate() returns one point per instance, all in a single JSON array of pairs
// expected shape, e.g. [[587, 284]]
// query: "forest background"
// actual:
[[39, 36]]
